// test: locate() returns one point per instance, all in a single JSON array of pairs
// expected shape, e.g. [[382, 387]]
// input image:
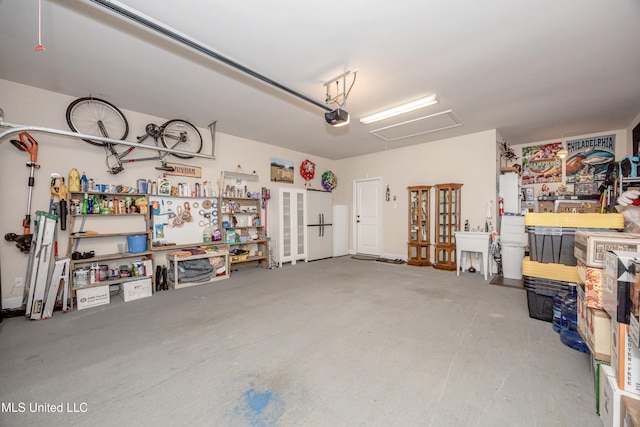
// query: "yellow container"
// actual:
[[575, 220], [560, 272]]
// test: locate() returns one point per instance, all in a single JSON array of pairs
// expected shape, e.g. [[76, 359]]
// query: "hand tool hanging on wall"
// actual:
[[59, 208], [29, 145]]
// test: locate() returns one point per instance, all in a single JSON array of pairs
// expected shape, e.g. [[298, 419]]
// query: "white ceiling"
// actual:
[[532, 70]]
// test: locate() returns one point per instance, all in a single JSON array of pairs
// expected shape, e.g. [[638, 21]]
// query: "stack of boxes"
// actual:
[[552, 265], [606, 266]]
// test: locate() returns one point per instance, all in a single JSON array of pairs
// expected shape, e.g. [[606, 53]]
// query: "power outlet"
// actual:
[[18, 285]]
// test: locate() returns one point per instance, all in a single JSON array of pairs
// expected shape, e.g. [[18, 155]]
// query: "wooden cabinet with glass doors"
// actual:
[[448, 204], [418, 244]]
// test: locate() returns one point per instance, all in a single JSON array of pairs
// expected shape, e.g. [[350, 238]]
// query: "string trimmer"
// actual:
[[30, 145]]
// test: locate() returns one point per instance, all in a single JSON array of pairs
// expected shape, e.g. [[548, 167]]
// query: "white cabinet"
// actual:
[[319, 225], [340, 230], [287, 222]]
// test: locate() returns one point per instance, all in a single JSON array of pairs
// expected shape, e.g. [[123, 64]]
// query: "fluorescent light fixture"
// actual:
[[400, 109]]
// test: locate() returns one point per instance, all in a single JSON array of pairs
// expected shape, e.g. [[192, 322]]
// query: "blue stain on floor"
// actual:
[[260, 408], [258, 401]]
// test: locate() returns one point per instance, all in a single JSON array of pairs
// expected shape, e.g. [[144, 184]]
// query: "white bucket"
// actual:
[[512, 257]]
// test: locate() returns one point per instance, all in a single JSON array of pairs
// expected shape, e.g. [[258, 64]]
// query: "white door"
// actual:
[[368, 216]]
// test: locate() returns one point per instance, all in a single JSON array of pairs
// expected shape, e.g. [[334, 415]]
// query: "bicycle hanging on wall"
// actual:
[[94, 116]]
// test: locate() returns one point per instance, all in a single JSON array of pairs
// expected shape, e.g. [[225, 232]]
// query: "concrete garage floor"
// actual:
[[338, 342]]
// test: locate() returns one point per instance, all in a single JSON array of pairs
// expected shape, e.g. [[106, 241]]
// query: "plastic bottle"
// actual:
[[95, 205], [84, 183], [74, 181], [558, 299], [164, 186], [206, 233], [569, 335], [84, 210]]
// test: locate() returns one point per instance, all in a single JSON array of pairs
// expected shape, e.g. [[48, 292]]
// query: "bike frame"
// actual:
[[153, 131]]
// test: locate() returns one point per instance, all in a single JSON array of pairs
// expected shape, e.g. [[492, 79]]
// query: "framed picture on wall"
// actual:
[[282, 170], [635, 135]]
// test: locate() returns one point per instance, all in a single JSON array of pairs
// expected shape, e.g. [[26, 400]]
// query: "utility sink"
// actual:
[[473, 241]]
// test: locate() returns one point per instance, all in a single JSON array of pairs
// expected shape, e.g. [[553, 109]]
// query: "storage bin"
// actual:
[[540, 293], [137, 243], [540, 306], [561, 272], [552, 235]]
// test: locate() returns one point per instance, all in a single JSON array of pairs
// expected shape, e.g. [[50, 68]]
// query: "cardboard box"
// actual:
[[634, 330], [135, 289], [596, 375], [610, 397], [629, 412], [593, 280], [590, 246], [92, 297], [625, 358], [616, 292], [634, 293], [594, 326]]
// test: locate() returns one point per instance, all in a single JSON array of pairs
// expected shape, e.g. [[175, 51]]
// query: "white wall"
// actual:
[[26, 105], [469, 160]]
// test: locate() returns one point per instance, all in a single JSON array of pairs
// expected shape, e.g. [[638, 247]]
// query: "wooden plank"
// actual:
[[184, 170]]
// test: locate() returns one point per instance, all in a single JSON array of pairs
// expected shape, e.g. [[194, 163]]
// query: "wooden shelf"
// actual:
[[106, 215], [110, 257], [245, 208], [157, 248], [77, 237], [419, 235], [448, 203], [247, 242], [250, 258], [242, 199], [105, 193], [238, 175], [96, 236], [111, 282]]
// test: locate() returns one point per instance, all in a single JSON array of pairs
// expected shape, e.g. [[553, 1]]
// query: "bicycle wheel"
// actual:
[[96, 117], [181, 135]]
